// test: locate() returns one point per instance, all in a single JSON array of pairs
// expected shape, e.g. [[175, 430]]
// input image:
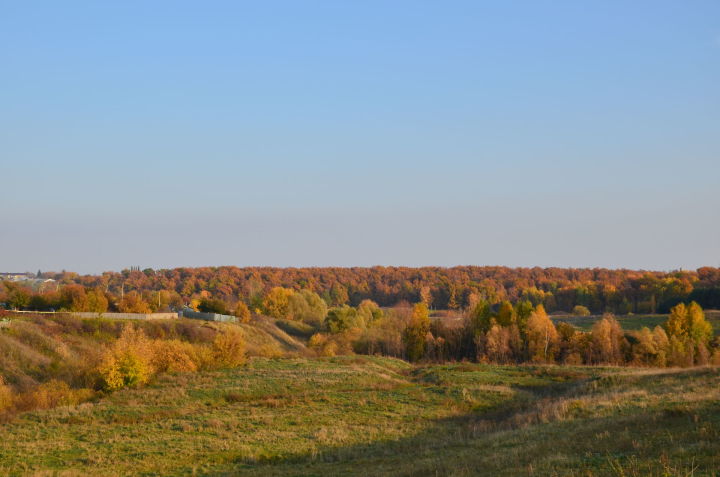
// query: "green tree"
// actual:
[[369, 311], [212, 305], [342, 318], [18, 298], [338, 294], [523, 309], [480, 317], [307, 306]]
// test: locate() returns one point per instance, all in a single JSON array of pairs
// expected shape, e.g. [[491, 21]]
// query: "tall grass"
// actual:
[[65, 361]]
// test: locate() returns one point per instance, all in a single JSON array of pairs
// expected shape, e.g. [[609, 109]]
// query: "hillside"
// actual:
[[37, 349], [381, 416]]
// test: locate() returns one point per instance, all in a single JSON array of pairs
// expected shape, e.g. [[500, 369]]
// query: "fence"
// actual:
[[126, 316], [197, 315]]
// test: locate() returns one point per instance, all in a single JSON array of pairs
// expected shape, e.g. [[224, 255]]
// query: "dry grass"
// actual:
[[49, 361], [374, 416]]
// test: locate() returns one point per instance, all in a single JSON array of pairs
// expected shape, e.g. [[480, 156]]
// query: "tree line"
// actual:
[[485, 330], [457, 288], [519, 333]]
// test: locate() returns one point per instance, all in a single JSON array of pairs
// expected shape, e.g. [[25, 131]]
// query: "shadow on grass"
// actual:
[[538, 436]]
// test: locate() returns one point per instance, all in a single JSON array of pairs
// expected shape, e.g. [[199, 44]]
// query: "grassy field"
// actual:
[[379, 416], [632, 322]]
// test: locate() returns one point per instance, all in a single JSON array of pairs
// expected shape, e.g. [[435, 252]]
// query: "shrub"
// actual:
[[322, 345], [580, 310], [52, 394], [174, 356], [128, 362], [229, 348]]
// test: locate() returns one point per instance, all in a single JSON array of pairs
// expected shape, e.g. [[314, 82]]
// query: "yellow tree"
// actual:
[[661, 345], [416, 332], [700, 332], [242, 312], [277, 302], [689, 335], [607, 339], [699, 329], [676, 324], [96, 301], [542, 337]]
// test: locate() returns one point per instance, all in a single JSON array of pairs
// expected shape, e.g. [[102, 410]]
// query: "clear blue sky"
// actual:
[[295, 133]]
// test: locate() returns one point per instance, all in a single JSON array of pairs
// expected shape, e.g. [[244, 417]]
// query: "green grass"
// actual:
[[632, 322], [380, 416]]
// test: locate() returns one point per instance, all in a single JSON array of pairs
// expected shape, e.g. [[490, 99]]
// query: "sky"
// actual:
[[336, 133]]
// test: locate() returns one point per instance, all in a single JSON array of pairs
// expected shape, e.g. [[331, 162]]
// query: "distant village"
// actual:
[[32, 278]]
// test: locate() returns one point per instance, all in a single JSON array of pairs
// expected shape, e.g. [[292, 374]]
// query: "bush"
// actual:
[[128, 362], [322, 345], [229, 348], [580, 310], [212, 305], [174, 356], [52, 394]]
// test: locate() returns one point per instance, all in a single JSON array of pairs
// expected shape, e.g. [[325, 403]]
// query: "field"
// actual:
[[632, 322], [379, 416]]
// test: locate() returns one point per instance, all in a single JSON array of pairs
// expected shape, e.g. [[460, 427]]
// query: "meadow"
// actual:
[[632, 322], [285, 410], [380, 416]]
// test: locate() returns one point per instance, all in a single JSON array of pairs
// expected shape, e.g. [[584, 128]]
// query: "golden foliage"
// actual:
[[242, 312], [175, 356], [277, 302], [607, 339], [542, 337], [322, 345], [51, 394], [229, 348], [128, 362], [134, 359], [415, 335]]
